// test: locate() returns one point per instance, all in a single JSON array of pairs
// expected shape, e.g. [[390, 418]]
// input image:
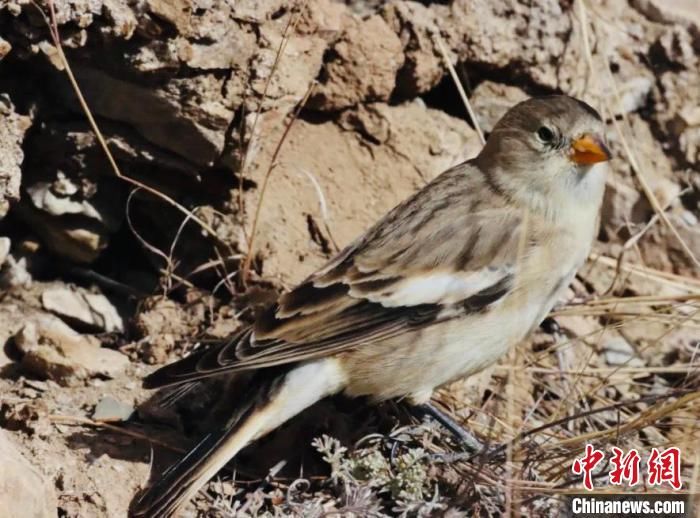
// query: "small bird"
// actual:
[[440, 288]]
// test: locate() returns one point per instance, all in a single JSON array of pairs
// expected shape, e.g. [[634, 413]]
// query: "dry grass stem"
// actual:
[[273, 164], [455, 78]]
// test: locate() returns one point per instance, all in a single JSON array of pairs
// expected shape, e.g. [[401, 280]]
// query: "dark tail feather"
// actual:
[[180, 481], [183, 479], [275, 395], [169, 374], [173, 396]]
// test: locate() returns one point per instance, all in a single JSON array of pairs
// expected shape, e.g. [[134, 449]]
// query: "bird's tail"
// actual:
[[270, 402]]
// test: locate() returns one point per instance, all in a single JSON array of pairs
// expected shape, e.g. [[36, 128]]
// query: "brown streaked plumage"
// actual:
[[438, 289]]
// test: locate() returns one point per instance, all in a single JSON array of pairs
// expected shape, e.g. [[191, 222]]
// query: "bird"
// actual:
[[437, 290]]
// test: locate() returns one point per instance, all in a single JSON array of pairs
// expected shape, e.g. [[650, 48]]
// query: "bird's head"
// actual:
[[548, 149]]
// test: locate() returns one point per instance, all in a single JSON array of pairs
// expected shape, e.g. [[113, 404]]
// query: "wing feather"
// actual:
[[403, 274]]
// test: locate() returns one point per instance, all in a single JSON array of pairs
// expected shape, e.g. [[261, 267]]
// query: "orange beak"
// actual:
[[588, 149]]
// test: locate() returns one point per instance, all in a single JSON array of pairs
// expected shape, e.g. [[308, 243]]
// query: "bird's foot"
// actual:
[[463, 436]]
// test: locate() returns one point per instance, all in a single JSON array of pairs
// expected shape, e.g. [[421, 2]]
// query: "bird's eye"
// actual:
[[545, 135]]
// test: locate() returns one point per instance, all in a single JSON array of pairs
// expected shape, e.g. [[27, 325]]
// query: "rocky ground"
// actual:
[[253, 140]]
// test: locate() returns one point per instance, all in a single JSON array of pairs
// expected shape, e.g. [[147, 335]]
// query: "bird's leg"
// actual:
[[462, 435]]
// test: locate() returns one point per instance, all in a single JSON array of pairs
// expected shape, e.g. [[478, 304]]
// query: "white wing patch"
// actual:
[[435, 288]]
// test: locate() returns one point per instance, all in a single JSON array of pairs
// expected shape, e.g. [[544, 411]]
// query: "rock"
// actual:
[[58, 198], [662, 249], [5, 244], [656, 165], [684, 12], [368, 161], [14, 273], [81, 241], [526, 37], [161, 324], [12, 130], [28, 414], [224, 324], [233, 49], [187, 116], [583, 327], [690, 115], [16, 260], [364, 8], [490, 102], [110, 410], [675, 47], [618, 352], [399, 126], [22, 486], [53, 350], [689, 142], [323, 18], [5, 48], [634, 94], [624, 201], [256, 10], [73, 202], [297, 68], [415, 26], [686, 127], [12, 317], [676, 110], [120, 17], [176, 12], [620, 198], [92, 310], [362, 66], [80, 13]]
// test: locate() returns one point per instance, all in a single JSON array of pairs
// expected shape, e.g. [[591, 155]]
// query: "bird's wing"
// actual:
[[438, 255]]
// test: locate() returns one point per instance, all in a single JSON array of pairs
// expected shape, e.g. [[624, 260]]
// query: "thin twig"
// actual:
[[460, 88], [323, 206], [273, 164], [677, 281], [291, 25], [85, 421]]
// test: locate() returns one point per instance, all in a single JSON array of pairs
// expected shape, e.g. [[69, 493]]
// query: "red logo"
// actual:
[[586, 464], [662, 466], [625, 467]]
